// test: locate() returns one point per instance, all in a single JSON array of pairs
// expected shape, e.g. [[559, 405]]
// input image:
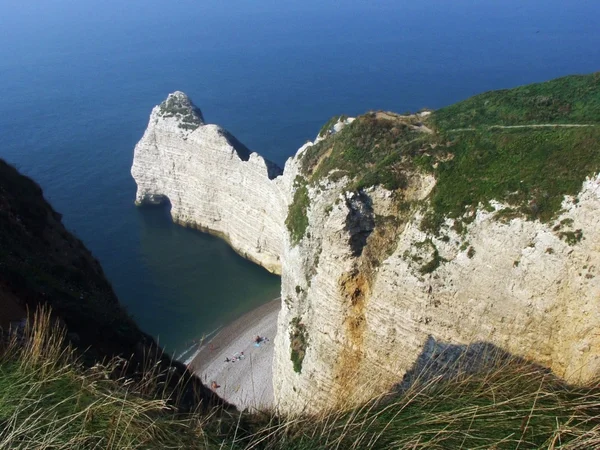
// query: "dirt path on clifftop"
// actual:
[[542, 125]]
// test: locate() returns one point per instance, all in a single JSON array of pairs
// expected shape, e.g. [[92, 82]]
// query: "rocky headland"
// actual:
[[213, 182], [406, 238]]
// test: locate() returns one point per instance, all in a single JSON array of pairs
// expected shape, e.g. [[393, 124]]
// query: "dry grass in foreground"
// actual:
[[49, 400]]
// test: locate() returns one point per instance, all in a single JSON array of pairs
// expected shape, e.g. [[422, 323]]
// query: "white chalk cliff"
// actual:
[[358, 310], [516, 285], [213, 182]]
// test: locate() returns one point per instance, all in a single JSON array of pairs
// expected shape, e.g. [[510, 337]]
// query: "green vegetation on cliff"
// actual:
[[297, 219], [179, 105], [528, 147], [330, 123], [573, 99], [299, 342], [377, 148], [531, 167]]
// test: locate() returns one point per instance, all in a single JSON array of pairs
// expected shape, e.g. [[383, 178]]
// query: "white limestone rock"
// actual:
[[516, 285], [212, 181]]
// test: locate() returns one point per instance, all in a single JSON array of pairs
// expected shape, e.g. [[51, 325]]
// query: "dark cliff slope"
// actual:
[[41, 263]]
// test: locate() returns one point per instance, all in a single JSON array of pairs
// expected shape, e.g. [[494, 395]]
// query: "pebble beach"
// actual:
[[246, 380]]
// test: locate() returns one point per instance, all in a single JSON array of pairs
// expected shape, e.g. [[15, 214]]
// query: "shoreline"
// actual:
[[247, 382], [271, 268]]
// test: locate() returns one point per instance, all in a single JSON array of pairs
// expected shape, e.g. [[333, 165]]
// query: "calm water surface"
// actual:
[[78, 81]]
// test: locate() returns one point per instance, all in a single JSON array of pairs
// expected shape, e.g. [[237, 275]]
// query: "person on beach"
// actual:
[[227, 359], [214, 385]]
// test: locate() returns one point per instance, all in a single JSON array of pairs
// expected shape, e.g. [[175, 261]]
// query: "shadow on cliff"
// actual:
[[161, 207], [273, 170], [440, 361]]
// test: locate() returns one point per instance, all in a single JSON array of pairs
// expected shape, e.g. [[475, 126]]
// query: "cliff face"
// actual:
[[516, 284], [407, 238], [211, 180], [43, 263]]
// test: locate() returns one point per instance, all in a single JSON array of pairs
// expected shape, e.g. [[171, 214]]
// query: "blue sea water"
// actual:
[[78, 80]]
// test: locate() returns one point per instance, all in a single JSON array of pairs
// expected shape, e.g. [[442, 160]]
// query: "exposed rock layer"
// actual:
[[517, 285]]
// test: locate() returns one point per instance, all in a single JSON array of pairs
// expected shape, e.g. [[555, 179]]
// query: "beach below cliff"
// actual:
[[241, 367]]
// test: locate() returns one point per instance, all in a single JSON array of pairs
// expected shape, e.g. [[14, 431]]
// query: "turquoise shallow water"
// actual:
[[78, 81]]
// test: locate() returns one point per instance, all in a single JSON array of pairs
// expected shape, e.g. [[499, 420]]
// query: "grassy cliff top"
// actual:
[[573, 99], [528, 147]]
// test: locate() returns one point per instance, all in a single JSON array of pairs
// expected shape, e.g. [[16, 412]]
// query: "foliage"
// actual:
[[298, 343], [297, 219], [511, 405], [571, 99], [432, 265], [471, 252], [371, 150], [571, 237], [530, 169], [181, 107], [330, 123], [49, 400], [422, 249], [473, 158]]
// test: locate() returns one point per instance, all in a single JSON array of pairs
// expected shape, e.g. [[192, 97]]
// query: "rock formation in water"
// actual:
[[212, 181], [399, 236]]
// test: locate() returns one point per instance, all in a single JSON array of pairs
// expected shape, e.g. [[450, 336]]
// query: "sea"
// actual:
[[78, 80]]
